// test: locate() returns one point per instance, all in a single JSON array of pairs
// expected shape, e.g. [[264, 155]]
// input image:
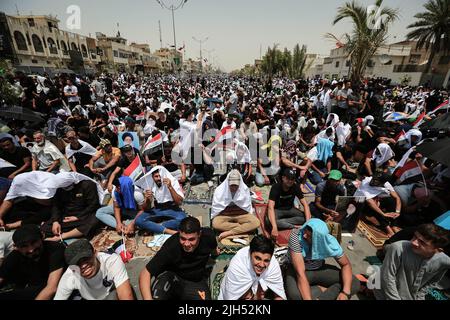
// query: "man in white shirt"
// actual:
[[95, 275], [71, 93]]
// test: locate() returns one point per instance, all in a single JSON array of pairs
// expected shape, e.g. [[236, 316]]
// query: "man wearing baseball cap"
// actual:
[[282, 214], [324, 204], [34, 268], [95, 275]]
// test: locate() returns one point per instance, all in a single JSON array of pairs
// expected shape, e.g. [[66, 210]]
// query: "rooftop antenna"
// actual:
[[160, 34], [17, 10]]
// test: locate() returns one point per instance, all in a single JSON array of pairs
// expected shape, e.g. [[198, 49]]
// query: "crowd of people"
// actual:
[[117, 151]]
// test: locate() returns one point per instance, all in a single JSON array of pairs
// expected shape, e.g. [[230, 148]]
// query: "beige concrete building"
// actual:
[[396, 61], [38, 45]]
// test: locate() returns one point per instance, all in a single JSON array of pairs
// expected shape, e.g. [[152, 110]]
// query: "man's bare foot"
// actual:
[[225, 234], [170, 232]]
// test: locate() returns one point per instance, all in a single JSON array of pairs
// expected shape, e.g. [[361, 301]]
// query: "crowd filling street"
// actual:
[[118, 152]]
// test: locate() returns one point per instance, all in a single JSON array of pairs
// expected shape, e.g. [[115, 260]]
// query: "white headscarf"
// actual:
[[368, 120], [343, 131], [334, 122], [240, 277], [386, 154], [302, 122], [86, 148], [43, 185], [223, 198], [368, 192], [407, 137], [162, 195], [246, 158]]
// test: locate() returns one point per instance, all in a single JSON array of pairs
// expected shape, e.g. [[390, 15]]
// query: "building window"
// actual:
[[34, 61], [64, 47], [116, 54], [414, 58], [20, 41], [84, 51], [52, 46], [37, 43], [50, 26], [347, 63], [370, 64], [337, 64], [74, 46], [31, 22]]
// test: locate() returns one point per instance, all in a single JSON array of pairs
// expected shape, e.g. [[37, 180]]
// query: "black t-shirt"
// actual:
[[188, 266], [22, 271], [285, 199], [15, 158], [80, 159]]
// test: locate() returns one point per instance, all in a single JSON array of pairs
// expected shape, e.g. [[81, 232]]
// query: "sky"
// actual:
[[237, 30]]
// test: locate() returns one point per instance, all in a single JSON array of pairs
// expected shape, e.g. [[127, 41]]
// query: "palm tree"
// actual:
[[369, 33], [298, 61], [432, 29]]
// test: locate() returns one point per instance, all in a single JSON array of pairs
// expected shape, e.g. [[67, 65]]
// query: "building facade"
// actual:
[[399, 62]]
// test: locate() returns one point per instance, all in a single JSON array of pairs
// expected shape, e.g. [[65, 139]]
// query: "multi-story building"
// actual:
[[398, 61], [169, 60], [37, 45]]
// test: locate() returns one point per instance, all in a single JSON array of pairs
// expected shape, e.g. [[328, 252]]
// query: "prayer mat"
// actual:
[[107, 238], [375, 236], [216, 283], [200, 194], [283, 235]]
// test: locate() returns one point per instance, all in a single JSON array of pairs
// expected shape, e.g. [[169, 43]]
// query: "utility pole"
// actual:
[[201, 57], [172, 8]]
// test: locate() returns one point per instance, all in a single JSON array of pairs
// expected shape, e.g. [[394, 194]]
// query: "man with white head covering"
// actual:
[[253, 274], [232, 212], [162, 188]]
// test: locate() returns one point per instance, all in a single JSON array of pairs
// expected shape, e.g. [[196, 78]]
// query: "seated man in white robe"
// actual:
[[253, 274], [232, 212]]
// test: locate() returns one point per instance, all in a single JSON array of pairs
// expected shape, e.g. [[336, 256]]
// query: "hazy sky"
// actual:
[[236, 28]]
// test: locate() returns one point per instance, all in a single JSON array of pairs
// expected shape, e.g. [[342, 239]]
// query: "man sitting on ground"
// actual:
[[104, 162], [254, 274], [95, 275], [232, 212], [168, 195], [127, 203], [46, 156], [34, 268], [324, 204], [79, 153], [411, 268], [282, 215], [73, 212], [179, 267], [308, 277], [18, 156]]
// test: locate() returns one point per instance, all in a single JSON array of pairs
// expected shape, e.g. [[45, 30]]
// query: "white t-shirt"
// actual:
[[112, 274], [71, 90]]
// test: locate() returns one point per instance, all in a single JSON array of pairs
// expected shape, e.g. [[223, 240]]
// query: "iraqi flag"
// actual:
[[140, 117], [443, 106], [153, 142], [409, 170], [6, 164], [113, 117], [135, 169], [224, 134]]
